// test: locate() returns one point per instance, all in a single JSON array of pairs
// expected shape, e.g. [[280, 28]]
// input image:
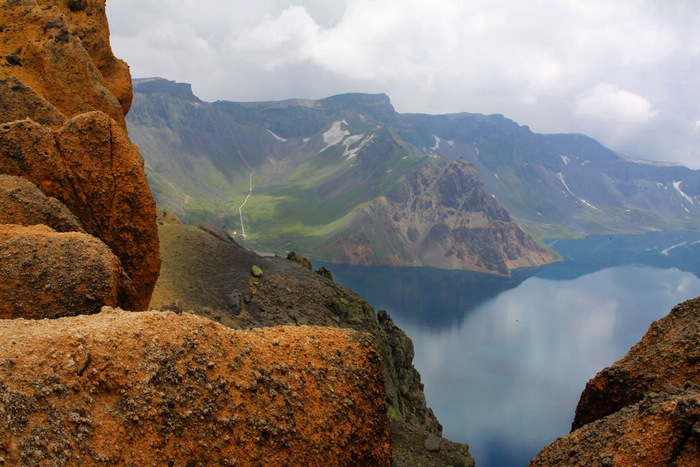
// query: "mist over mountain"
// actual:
[[348, 179]]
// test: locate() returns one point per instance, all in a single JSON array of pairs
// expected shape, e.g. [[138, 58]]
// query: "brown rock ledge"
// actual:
[[665, 359], [157, 388], [644, 410]]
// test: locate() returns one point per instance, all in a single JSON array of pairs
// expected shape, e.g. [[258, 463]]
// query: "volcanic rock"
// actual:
[[211, 275], [667, 357], [21, 202], [442, 216], [71, 66], [661, 429], [644, 409], [156, 388], [91, 166], [19, 102], [47, 274]]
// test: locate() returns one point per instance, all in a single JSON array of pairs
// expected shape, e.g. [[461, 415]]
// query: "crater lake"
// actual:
[[504, 359]]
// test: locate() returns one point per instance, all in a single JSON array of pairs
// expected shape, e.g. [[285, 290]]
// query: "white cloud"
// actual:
[[611, 104], [544, 63]]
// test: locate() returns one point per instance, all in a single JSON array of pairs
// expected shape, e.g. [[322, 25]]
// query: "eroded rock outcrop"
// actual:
[[64, 56], [441, 216], [64, 96], [47, 274], [666, 358], [90, 165], [661, 429], [22, 203], [645, 408], [157, 388]]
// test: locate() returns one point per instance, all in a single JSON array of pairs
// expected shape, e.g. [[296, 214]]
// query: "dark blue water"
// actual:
[[504, 360]]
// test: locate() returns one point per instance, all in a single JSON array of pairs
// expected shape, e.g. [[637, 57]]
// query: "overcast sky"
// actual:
[[626, 72]]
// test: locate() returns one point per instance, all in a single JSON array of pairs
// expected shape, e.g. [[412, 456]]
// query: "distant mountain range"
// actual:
[[348, 179]]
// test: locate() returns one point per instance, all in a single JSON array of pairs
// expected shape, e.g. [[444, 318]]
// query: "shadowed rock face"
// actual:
[[645, 408], [22, 203], [47, 274], [155, 388]]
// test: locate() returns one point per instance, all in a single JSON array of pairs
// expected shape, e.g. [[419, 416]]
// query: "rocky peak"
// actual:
[[64, 55]]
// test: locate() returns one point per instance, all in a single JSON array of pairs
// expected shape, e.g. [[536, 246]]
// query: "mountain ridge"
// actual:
[[555, 186], [312, 175]]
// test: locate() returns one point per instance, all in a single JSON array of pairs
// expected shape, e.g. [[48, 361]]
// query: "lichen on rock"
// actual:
[[644, 409], [47, 274], [183, 390]]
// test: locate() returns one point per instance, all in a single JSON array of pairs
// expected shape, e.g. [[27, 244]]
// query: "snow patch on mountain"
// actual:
[[277, 137], [677, 186], [335, 134]]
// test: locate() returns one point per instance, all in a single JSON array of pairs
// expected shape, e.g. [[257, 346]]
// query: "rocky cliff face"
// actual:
[[63, 55], [441, 216], [63, 130], [78, 232], [644, 409], [562, 184]]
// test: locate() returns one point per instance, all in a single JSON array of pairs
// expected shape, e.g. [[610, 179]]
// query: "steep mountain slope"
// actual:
[[561, 184], [324, 178], [332, 179]]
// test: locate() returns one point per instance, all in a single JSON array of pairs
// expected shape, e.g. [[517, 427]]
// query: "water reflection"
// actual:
[[434, 298], [507, 379], [504, 360]]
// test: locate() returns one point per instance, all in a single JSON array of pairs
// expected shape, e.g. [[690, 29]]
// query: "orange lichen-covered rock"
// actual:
[[644, 410], [22, 203], [667, 357], [158, 388], [90, 22], [19, 102], [64, 56], [47, 274], [91, 166], [661, 429]]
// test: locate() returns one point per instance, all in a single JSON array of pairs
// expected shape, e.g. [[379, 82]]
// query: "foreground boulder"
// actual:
[[157, 388], [662, 429], [47, 274], [90, 165], [665, 359], [645, 408], [22, 203]]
